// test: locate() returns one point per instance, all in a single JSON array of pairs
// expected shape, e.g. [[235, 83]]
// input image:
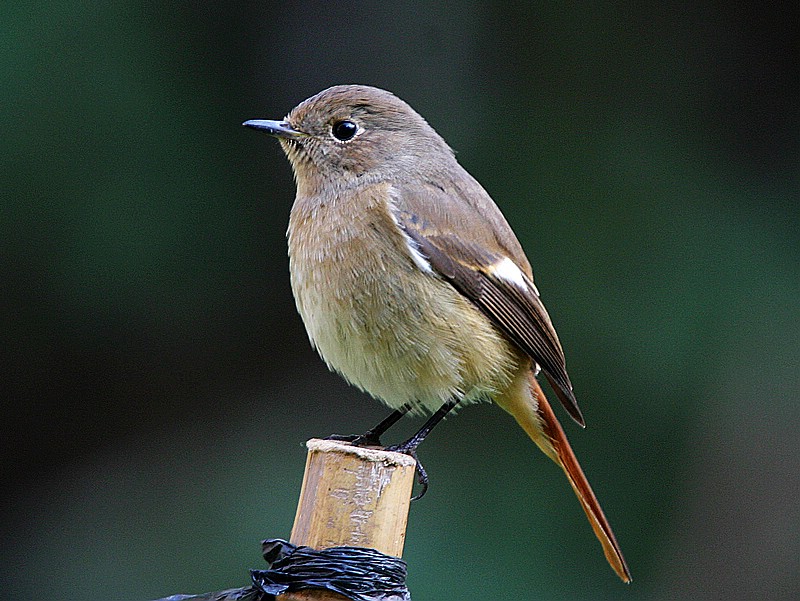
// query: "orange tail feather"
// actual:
[[543, 428]]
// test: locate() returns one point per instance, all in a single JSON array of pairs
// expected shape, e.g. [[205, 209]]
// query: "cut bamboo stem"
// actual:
[[352, 496]]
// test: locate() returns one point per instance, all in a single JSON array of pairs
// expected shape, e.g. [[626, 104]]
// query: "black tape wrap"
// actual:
[[357, 573]]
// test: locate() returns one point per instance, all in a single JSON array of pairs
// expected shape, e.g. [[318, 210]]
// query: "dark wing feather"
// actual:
[[517, 312]]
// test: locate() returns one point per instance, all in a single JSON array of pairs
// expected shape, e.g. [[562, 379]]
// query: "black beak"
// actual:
[[279, 129]]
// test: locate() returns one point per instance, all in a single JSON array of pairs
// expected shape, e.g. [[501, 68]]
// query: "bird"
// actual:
[[411, 283]]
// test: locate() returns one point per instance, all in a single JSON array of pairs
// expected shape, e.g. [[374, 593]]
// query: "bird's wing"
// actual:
[[476, 263]]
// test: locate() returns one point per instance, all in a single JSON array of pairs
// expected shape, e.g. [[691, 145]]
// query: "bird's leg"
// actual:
[[412, 443], [409, 447], [372, 437]]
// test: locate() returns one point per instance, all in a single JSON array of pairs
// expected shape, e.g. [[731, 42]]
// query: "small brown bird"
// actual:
[[411, 283]]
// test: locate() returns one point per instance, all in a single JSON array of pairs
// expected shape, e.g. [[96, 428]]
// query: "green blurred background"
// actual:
[[158, 384]]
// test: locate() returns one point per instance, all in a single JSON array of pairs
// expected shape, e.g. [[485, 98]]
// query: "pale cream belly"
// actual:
[[409, 339]]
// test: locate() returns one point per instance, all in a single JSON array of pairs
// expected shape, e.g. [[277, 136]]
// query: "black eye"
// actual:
[[344, 130]]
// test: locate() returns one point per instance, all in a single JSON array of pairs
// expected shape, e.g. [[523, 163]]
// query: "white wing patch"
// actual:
[[507, 270], [419, 259]]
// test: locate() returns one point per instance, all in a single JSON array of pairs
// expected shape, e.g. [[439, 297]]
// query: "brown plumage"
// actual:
[[409, 280]]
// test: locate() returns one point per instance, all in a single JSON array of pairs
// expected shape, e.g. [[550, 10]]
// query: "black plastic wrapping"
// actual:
[[357, 573]]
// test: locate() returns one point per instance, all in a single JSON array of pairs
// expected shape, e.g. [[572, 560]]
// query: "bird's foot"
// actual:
[[422, 475], [367, 439]]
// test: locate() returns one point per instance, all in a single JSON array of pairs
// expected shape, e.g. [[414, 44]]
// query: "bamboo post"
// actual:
[[352, 496]]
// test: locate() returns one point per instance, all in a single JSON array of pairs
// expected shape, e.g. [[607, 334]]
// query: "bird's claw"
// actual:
[[367, 439], [422, 475]]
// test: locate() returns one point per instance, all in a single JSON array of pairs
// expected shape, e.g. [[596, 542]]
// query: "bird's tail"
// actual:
[[540, 423]]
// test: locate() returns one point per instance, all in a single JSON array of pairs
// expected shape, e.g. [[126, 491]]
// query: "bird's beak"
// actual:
[[279, 129]]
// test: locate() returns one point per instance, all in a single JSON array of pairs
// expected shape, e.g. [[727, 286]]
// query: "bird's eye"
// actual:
[[344, 130]]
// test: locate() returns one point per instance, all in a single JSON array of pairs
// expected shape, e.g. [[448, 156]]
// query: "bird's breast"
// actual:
[[390, 328]]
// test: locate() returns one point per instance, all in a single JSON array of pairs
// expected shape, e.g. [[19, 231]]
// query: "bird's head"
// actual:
[[350, 134]]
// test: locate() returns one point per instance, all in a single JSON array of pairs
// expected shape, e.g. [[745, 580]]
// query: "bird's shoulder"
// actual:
[[456, 212]]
